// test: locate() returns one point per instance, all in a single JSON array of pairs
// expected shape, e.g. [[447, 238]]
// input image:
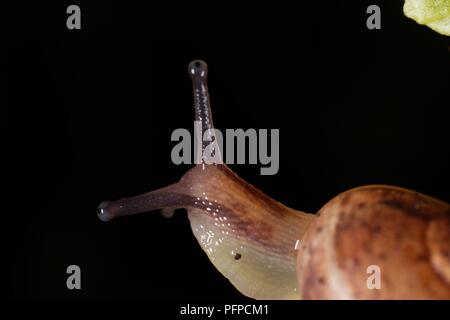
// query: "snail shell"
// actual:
[[404, 233]]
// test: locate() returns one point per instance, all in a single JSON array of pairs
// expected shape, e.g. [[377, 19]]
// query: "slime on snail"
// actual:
[[254, 240]]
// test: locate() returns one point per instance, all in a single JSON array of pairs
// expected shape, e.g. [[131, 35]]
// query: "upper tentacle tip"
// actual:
[[198, 69], [102, 211]]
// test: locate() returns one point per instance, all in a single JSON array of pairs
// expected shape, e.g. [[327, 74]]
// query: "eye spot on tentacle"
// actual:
[[237, 256]]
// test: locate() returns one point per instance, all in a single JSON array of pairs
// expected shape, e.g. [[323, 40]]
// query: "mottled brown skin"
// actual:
[[403, 232], [253, 215]]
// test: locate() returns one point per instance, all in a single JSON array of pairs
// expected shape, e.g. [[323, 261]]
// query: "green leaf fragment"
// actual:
[[432, 13]]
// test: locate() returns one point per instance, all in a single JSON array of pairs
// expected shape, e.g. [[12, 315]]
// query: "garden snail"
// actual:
[[269, 251]]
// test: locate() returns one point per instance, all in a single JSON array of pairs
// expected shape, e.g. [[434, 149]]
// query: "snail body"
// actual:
[[270, 251]]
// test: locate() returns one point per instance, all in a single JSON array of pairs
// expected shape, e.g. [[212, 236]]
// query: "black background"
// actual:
[[89, 114]]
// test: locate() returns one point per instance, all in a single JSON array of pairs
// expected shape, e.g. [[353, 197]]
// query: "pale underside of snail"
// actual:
[[270, 251]]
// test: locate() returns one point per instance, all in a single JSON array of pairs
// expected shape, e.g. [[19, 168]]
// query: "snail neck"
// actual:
[[249, 237]]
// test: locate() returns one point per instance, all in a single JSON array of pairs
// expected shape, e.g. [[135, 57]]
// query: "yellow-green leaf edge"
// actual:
[[432, 13]]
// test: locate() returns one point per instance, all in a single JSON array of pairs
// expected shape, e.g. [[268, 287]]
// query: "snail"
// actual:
[[270, 251]]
